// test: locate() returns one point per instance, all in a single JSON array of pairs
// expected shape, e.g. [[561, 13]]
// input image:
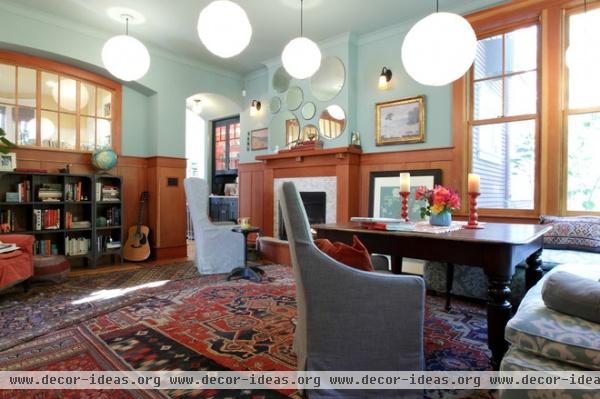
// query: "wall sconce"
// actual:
[[255, 107], [197, 107], [384, 78]]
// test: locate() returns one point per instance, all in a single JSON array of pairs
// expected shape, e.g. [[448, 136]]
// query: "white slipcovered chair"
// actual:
[[218, 249]]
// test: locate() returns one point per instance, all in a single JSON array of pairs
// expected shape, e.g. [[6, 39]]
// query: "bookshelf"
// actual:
[[67, 214]]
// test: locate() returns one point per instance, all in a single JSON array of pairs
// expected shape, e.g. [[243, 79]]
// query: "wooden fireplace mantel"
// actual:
[[341, 162], [300, 156]]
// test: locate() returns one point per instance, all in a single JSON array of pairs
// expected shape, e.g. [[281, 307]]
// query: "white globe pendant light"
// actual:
[[224, 28], [125, 57], [301, 57], [439, 49]]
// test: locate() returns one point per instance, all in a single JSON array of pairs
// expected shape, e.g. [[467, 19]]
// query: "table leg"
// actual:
[[534, 271], [498, 314], [396, 264], [449, 284]]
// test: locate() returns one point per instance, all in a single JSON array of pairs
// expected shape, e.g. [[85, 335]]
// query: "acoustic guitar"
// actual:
[[137, 247]]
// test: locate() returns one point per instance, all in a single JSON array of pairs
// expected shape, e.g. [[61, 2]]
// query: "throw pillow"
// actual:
[[571, 294], [356, 255], [579, 233]]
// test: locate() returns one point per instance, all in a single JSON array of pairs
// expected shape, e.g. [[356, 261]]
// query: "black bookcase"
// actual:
[[59, 224]]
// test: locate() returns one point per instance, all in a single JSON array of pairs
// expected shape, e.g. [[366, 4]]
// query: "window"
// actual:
[[503, 121], [42, 106], [226, 154], [583, 112]]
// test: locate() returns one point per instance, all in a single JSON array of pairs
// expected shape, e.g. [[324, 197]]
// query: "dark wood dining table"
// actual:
[[497, 248]]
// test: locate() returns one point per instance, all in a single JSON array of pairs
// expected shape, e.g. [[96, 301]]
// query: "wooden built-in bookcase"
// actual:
[[82, 199]]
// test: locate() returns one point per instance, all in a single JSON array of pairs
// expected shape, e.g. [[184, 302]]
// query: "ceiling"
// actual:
[[171, 25]]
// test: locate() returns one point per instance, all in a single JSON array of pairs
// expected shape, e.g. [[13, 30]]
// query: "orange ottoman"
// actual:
[[51, 268], [16, 266]]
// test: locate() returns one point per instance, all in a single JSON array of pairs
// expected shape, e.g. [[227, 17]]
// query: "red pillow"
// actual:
[[356, 256]]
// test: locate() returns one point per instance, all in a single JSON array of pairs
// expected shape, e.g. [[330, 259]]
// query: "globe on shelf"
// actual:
[[104, 159]]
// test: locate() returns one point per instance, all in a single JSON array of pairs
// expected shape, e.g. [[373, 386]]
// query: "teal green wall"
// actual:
[[364, 57], [153, 108]]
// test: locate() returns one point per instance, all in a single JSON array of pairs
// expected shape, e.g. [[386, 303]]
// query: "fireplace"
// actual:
[[315, 204]]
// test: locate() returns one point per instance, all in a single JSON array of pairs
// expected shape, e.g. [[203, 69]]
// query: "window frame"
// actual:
[[67, 71], [470, 121], [567, 111]]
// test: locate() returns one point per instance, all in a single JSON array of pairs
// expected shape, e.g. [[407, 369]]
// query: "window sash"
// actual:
[[472, 122]]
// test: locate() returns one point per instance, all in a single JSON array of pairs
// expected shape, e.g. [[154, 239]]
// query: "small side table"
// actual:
[[247, 272]]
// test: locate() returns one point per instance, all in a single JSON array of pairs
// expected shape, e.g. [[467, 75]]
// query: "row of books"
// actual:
[[23, 192], [73, 223], [107, 192], [113, 216], [46, 219], [77, 246], [50, 192], [8, 217], [45, 248], [74, 192], [107, 243]]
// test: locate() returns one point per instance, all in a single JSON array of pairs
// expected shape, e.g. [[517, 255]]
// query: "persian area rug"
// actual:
[[50, 307], [208, 323]]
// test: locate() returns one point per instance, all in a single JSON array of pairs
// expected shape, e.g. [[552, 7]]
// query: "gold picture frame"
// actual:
[[392, 121]]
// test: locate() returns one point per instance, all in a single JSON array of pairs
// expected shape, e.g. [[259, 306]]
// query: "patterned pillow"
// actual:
[[579, 233]]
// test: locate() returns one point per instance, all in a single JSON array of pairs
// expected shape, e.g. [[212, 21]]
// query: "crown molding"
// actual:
[[257, 73], [63, 23]]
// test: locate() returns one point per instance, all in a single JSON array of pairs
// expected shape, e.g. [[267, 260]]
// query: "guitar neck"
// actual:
[[140, 217]]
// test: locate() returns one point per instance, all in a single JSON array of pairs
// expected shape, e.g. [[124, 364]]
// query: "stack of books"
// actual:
[[387, 224], [105, 243], [7, 247], [46, 219], [50, 193], [106, 192], [73, 192], [44, 248], [73, 223], [77, 246]]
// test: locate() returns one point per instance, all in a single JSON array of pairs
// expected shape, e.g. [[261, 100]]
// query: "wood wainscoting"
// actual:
[[352, 169], [165, 213]]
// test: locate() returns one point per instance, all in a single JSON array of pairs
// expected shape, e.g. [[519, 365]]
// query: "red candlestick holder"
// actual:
[[405, 205], [473, 223]]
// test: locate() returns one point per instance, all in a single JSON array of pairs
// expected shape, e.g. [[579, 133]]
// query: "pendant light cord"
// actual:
[[127, 26], [437, 6], [301, 18]]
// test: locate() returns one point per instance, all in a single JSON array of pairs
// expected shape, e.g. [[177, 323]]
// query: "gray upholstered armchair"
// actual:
[[348, 319]]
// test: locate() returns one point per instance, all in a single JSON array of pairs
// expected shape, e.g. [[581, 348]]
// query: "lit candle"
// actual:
[[474, 183], [404, 182]]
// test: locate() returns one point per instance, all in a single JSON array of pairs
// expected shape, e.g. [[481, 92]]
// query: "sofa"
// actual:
[[573, 240], [543, 339], [16, 266]]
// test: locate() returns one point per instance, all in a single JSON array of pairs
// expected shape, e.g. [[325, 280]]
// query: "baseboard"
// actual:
[[276, 251], [170, 252]]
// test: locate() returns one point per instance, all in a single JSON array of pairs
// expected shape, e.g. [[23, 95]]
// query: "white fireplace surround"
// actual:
[[326, 184]]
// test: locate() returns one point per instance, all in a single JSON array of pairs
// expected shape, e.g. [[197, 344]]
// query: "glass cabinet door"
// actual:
[[234, 145]]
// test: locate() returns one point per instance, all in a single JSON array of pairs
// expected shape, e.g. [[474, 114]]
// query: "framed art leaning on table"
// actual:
[[384, 192]]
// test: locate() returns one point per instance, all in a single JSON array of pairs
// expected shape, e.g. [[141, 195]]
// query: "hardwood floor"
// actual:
[[126, 266]]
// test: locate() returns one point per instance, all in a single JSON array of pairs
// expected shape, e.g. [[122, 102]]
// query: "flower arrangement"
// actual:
[[438, 200]]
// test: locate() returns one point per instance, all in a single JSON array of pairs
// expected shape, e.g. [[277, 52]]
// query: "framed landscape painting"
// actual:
[[384, 192], [400, 121], [259, 139]]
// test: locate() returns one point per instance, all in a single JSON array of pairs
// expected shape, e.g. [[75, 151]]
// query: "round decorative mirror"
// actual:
[[275, 105], [281, 80], [310, 132], [329, 80], [294, 98], [332, 122], [283, 129], [308, 110]]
